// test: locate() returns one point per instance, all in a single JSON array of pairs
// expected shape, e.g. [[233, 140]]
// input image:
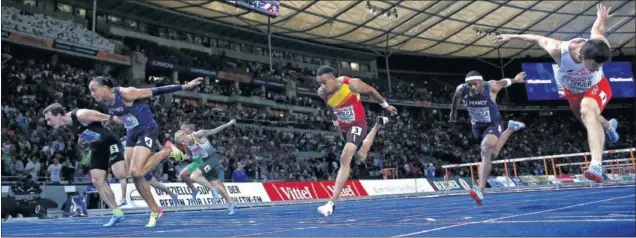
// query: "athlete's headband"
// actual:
[[472, 78]]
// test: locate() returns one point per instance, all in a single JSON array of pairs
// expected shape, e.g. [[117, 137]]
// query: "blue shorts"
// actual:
[[148, 177], [145, 137], [481, 131]]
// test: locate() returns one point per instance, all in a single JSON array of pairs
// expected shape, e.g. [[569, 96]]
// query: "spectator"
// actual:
[[55, 171], [430, 171], [17, 166], [33, 168], [239, 174], [538, 170]]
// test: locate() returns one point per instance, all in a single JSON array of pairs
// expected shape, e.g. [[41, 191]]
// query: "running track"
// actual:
[[587, 212]]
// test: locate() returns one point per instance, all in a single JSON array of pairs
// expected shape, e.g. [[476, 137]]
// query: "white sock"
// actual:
[[596, 163]]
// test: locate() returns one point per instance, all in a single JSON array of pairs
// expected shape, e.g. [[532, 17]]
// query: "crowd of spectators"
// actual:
[[66, 31], [266, 146]]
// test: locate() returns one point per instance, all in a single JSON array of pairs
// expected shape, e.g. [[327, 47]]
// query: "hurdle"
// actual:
[[545, 163]]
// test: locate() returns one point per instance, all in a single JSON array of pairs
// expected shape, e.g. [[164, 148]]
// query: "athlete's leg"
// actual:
[[595, 137], [185, 176], [219, 186], [121, 173], [344, 171], [156, 184], [512, 127], [100, 159], [488, 145], [123, 182], [98, 178], [140, 155], [210, 180], [353, 136], [197, 176], [153, 160], [368, 141]]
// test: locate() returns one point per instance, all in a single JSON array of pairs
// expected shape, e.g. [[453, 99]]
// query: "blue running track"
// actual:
[[587, 212]]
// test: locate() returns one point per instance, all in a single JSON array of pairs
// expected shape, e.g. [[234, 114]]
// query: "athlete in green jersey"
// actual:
[[204, 169]]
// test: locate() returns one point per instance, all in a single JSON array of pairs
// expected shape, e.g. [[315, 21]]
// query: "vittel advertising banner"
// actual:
[[288, 191]]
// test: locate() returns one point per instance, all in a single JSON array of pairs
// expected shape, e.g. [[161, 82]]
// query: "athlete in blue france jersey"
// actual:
[[127, 106], [480, 99]]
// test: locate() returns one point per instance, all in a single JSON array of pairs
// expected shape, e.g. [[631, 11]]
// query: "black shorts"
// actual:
[[355, 134], [210, 168], [102, 157], [145, 137], [481, 131]]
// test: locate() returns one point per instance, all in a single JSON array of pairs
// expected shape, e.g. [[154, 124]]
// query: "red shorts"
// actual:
[[600, 92]]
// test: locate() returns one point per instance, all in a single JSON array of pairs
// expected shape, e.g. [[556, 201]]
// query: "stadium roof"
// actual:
[[439, 28]]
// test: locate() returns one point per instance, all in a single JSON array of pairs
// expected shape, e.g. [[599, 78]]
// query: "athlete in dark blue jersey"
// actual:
[[480, 99], [127, 106]]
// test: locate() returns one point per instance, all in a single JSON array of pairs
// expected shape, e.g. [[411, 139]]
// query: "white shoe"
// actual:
[[326, 209]]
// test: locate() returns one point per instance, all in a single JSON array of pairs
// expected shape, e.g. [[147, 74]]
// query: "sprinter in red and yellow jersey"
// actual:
[[342, 95]]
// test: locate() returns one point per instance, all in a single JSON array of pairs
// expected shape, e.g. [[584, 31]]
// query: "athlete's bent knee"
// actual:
[[589, 109], [192, 176], [347, 153], [98, 182], [136, 173], [185, 175]]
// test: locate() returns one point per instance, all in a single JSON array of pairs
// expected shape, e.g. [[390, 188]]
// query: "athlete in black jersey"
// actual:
[[105, 149]]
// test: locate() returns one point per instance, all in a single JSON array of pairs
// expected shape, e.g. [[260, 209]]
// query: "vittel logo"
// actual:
[[347, 191], [297, 193]]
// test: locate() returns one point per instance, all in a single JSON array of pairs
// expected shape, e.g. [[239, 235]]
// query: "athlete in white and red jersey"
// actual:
[[579, 72], [342, 95]]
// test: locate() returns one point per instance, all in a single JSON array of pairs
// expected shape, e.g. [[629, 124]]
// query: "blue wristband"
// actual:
[[165, 89]]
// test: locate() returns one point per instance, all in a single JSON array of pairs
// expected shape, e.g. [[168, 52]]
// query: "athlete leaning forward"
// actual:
[[127, 106], [342, 95], [206, 165]]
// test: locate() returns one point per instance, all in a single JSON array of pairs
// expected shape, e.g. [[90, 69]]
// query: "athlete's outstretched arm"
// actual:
[[456, 99], [496, 85], [206, 133], [131, 94], [358, 86], [87, 116], [550, 45], [598, 29]]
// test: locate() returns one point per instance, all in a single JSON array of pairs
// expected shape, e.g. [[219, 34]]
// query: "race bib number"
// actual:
[[114, 149], [129, 121], [148, 141], [198, 152], [479, 114], [89, 136], [356, 130], [603, 97], [345, 114]]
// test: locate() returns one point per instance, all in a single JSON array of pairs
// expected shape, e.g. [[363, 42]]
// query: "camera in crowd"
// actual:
[[26, 186]]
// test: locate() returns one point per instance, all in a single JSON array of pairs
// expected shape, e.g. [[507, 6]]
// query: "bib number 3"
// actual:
[[356, 132]]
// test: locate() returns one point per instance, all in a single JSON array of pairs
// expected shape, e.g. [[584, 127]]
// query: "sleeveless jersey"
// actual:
[[137, 116], [574, 76], [94, 133], [482, 110], [201, 149], [347, 106]]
